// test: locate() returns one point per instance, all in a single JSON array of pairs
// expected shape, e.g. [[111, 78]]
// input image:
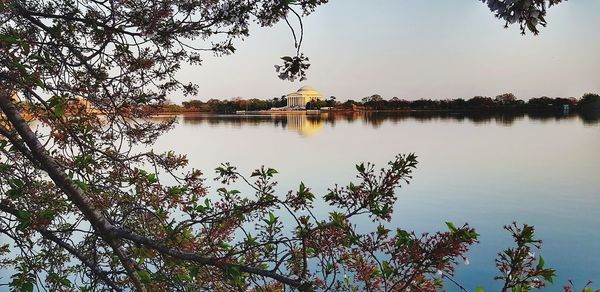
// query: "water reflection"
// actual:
[[306, 125], [310, 124]]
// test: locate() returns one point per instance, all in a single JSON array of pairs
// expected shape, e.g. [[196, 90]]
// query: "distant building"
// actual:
[[300, 98], [73, 105], [81, 102]]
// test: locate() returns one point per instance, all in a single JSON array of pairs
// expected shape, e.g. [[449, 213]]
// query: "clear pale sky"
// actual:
[[414, 49]]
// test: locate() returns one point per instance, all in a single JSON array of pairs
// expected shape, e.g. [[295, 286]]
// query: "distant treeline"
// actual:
[[226, 106], [503, 102]]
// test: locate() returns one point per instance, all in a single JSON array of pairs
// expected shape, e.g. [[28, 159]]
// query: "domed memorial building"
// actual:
[[300, 98]]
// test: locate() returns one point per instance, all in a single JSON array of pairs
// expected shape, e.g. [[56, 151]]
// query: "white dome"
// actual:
[[306, 88]]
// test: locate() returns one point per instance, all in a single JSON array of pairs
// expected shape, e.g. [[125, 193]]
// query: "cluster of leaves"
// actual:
[[527, 13], [376, 194], [403, 261], [571, 287], [518, 266], [293, 67]]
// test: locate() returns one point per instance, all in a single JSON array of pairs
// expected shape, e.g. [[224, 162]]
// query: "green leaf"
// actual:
[[21, 68], [251, 240], [402, 237], [8, 38], [386, 269], [479, 289], [4, 166], [145, 276], [82, 185], [540, 264], [194, 271], [532, 27], [360, 167], [336, 218], [28, 287], [58, 104], [14, 193], [59, 110], [175, 190], [235, 274], [65, 282], [272, 219], [17, 183], [381, 230], [304, 193], [47, 214], [271, 172], [152, 178], [550, 275], [24, 218], [451, 226]]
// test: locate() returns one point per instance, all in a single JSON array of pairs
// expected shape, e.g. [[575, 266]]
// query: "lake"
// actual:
[[488, 170]]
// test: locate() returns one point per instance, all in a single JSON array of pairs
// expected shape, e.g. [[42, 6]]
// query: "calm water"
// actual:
[[488, 171]]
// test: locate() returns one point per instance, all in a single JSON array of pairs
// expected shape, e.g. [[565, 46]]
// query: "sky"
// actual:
[[414, 49]]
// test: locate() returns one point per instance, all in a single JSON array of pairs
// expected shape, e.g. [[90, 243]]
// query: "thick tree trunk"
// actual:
[[105, 228]]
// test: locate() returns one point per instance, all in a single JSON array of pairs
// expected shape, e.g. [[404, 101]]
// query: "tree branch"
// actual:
[[4, 206]]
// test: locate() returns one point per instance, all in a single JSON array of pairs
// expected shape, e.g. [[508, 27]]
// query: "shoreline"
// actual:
[[345, 111]]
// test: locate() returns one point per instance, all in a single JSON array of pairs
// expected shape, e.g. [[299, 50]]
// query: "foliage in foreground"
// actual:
[[238, 242], [177, 238], [86, 206]]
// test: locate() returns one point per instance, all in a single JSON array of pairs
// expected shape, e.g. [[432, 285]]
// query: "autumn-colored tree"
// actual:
[[82, 206]]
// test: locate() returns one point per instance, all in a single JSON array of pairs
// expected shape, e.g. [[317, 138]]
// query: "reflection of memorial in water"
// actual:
[[306, 125]]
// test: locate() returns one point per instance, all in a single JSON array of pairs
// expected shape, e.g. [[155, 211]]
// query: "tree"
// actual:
[[372, 98], [192, 104], [506, 99], [279, 102], [541, 102], [480, 102], [331, 102], [529, 14], [81, 206], [590, 102]]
